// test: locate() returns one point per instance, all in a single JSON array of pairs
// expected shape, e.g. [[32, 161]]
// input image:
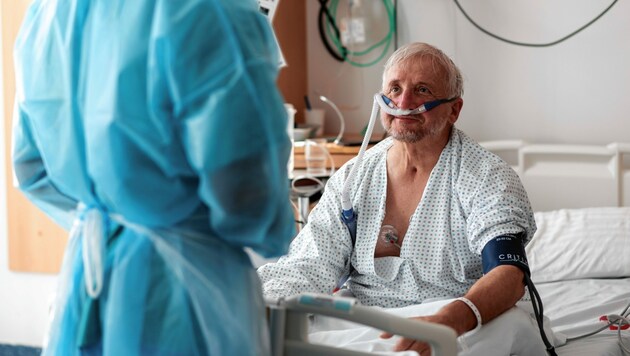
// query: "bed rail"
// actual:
[[289, 325], [569, 176]]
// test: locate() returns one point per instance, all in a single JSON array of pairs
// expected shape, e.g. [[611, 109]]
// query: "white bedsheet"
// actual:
[[575, 307], [513, 333]]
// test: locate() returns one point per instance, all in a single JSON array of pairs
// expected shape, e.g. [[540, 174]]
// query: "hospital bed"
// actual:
[[579, 257]]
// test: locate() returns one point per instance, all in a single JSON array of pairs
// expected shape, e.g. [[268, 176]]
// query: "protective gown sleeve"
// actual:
[[221, 80], [31, 177]]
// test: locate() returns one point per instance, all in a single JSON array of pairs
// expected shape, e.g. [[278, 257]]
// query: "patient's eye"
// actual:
[[423, 90], [394, 90]]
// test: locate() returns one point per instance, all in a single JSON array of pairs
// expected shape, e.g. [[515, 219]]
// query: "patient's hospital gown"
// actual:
[[471, 197], [163, 121]]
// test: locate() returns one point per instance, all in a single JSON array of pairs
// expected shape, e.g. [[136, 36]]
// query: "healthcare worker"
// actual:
[[154, 130]]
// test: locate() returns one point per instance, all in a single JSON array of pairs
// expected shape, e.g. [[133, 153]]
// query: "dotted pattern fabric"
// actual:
[[472, 196]]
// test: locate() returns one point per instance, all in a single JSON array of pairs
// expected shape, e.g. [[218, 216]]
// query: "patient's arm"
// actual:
[[493, 294], [318, 256]]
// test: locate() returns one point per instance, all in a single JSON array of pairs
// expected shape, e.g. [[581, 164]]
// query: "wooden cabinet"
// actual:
[[290, 28]]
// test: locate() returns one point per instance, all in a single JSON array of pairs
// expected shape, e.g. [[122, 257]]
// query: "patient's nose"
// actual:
[[406, 100]]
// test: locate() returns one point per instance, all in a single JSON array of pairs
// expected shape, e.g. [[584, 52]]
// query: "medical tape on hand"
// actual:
[[475, 311]]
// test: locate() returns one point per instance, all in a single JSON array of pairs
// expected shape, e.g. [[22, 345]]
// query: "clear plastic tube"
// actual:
[[346, 204]]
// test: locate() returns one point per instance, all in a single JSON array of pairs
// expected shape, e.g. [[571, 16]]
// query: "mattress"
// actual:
[[574, 308]]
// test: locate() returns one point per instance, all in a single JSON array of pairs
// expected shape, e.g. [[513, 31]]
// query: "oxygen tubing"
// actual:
[[346, 203]]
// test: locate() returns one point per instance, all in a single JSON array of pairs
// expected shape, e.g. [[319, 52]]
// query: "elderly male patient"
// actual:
[[429, 201]]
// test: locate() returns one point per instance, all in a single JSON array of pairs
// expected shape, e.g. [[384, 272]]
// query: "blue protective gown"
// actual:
[[155, 128]]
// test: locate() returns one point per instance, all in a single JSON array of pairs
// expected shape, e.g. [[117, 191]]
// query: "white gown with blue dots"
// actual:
[[472, 196]]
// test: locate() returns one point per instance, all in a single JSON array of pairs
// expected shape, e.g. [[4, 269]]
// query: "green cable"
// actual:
[[385, 41]]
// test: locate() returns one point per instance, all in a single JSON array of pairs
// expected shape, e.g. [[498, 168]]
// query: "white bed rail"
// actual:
[[558, 176], [289, 326], [623, 155]]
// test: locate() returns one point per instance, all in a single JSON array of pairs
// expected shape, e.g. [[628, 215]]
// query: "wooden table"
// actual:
[[340, 154]]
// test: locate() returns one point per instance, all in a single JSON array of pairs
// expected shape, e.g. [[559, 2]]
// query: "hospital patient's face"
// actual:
[[410, 84]]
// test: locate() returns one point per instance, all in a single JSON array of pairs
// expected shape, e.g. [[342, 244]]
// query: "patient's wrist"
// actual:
[[458, 316], [472, 311]]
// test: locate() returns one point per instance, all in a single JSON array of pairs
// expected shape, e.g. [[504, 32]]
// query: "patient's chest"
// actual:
[[434, 260], [402, 200]]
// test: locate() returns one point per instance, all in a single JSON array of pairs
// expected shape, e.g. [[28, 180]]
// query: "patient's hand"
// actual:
[[422, 348], [405, 344]]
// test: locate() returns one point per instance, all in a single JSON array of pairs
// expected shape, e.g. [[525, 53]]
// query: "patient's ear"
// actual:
[[456, 107]]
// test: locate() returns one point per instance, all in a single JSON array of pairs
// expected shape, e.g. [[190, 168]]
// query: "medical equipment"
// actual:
[[288, 320], [389, 234], [510, 250], [504, 250], [389, 107], [330, 32], [616, 322]]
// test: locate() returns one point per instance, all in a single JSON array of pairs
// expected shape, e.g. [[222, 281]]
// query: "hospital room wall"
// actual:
[[573, 92]]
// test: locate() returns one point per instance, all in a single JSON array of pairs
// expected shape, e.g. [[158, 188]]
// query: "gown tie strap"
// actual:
[[92, 226]]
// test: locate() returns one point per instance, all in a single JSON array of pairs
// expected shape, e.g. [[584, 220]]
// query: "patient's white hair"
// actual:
[[454, 81]]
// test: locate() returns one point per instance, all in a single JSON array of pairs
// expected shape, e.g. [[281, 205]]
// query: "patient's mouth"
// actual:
[[409, 118]]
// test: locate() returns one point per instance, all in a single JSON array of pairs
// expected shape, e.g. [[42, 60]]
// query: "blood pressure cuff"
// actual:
[[505, 250]]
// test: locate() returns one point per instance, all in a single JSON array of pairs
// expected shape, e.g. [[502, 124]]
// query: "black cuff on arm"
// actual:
[[505, 250]]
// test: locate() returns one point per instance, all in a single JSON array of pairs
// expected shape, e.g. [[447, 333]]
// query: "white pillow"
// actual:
[[580, 243]]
